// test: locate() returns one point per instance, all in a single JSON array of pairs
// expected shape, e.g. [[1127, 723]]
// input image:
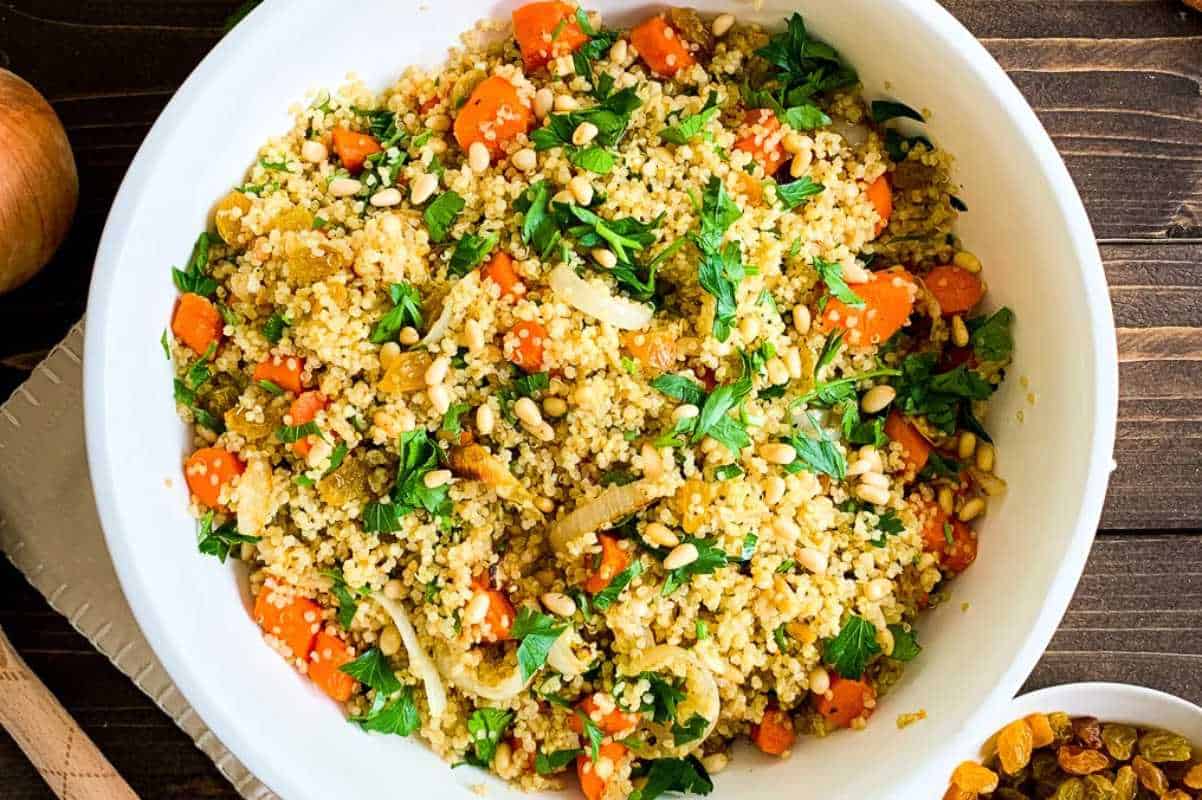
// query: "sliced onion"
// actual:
[[419, 660], [701, 697], [253, 497], [597, 301], [855, 133], [473, 461], [441, 325], [468, 681], [562, 658], [613, 504]]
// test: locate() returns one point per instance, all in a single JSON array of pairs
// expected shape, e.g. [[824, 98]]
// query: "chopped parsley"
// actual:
[[611, 116], [817, 453], [889, 524], [406, 310], [702, 629], [441, 214], [451, 420], [485, 728], [195, 278], [727, 471], [419, 455], [690, 731], [940, 466], [165, 342], [885, 110], [290, 434], [537, 632], [830, 349], [905, 643], [598, 44], [831, 273], [530, 384], [550, 763], [273, 328], [348, 598], [793, 194], [943, 398], [398, 716], [898, 146], [219, 541], [664, 775], [470, 251], [721, 268], [712, 420], [609, 595], [270, 387], [372, 670], [686, 129], [991, 338], [850, 651], [710, 558]]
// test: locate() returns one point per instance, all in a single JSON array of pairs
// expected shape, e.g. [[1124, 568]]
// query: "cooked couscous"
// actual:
[[595, 400]]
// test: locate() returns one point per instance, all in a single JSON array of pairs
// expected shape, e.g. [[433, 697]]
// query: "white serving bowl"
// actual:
[[1109, 702], [1025, 221]]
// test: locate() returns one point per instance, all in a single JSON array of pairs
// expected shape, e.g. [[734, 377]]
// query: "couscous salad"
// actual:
[[596, 400]]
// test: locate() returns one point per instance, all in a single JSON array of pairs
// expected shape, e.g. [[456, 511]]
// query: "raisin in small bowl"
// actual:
[[1086, 741]]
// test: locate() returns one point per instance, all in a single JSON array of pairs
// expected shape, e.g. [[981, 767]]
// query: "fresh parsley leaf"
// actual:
[[793, 194], [470, 251], [529, 385], [678, 387], [690, 731], [618, 477], [593, 159], [831, 273], [786, 566], [620, 235], [719, 402], [991, 338], [207, 420], [273, 328], [550, 763], [195, 278], [539, 225], [485, 728], [198, 373], [940, 466], [750, 541], [850, 651], [889, 524], [406, 310], [781, 637], [816, 453], [290, 434], [899, 147], [348, 598], [718, 213], [702, 629], [830, 349], [165, 342], [372, 670], [399, 716], [885, 110], [419, 455], [727, 471], [687, 128], [219, 541], [683, 775], [450, 420], [957, 203], [720, 273], [611, 116], [609, 595], [666, 695], [805, 117], [905, 644], [537, 633], [803, 65], [592, 732], [441, 214], [710, 559], [870, 431], [596, 47]]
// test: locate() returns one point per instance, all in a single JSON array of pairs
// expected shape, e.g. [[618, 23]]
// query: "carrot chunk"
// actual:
[[917, 449], [880, 194], [613, 561], [498, 619], [610, 724], [493, 115], [196, 322], [208, 470], [956, 289], [962, 552], [546, 31], [846, 701], [774, 735], [761, 136], [500, 271], [302, 411], [294, 624], [888, 300], [592, 784], [353, 148], [329, 654], [283, 371], [525, 346], [661, 47]]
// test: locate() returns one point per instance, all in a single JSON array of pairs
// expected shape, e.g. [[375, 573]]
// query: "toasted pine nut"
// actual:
[[390, 640], [473, 336], [389, 353], [526, 410], [854, 272], [985, 456], [959, 332], [686, 411], [792, 358], [437, 477], [778, 453], [875, 479], [720, 26], [792, 142], [967, 261], [524, 160], [652, 466], [314, 152], [681, 555], [559, 604], [386, 198], [345, 187], [801, 318], [872, 494], [813, 559], [877, 398], [585, 132], [555, 407], [436, 373], [440, 398], [565, 102], [605, 257], [619, 51], [544, 100], [422, 188], [972, 509], [967, 445], [660, 535], [786, 527], [947, 500], [800, 163], [581, 190], [485, 420], [878, 589], [820, 680], [778, 373], [478, 157], [409, 336], [774, 491]]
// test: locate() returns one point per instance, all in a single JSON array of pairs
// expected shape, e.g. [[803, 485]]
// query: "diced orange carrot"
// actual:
[[610, 724], [916, 448], [283, 371], [592, 784], [880, 194], [429, 103], [353, 148], [959, 555], [956, 289], [545, 31], [294, 624], [524, 347], [209, 469], [846, 701], [330, 653], [498, 621], [774, 735], [761, 136], [661, 47], [614, 560], [500, 271], [493, 115], [196, 322], [655, 352], [932, 518], [302, 411], [888, 300]]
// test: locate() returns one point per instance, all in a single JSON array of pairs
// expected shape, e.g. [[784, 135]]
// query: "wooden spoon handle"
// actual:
[[58, 748]]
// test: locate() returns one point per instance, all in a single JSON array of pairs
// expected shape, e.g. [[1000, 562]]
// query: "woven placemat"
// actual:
[[50, 532]]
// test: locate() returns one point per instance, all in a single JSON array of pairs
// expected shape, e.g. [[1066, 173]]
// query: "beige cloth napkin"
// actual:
[[50, 531]]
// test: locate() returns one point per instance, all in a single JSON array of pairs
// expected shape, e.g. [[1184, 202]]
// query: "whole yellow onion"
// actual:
[[38, 183]]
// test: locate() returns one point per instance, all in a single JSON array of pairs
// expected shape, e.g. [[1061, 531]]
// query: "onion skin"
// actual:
[[39, 187]]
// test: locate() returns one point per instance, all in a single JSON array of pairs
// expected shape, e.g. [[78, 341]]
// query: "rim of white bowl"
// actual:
[[1050, 698], [256, 753]]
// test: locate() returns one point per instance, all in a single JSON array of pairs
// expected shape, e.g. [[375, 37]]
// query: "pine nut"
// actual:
[[947, 500], [478, 157], [581, 189], [854, 272], [813, 559], [345, 187], [565, 102], [559, 604], [618, 52], [386, 198], [314, 152], [778, 373], [563, 196], [394, 589], [967, 261], [525, 410], [875, 479], [884, 638], [985, 455], [686, 411], [722, 24], [774, 491], [877, 398], [436, 373], [502, 757], [959, 332], [605, 257], [800, 163], [476, 610], [422, 188], [793, 143], [682, 555], [878, 589], [525, 160], [473, 336], [967, 445], [389, 353], [555, 407], [872, 494], [786, 527], [409, 336], [793, 363], [778, 453], [440, 398], [437, 477], [585, 132], [972, 509], [801, 318], [871, 455], [652, 466], [660, 535], [820, 680], [749, 328], [390, 640], [544, 100], [485, 420]]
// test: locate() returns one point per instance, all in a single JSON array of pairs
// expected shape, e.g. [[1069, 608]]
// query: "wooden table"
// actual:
[[1118, 84]]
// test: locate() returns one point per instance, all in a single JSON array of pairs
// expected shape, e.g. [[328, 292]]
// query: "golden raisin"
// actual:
[[1014, 746], [1193, 778], [1126, 784], [1175, 794], [1088, 732], [1062, 726], [407, 373], [1041, 730], [228, 218], [1119, 740], [1098, 787], [954, 792], [1071, 789], [1151, 777], [1161, 746], [1080, 761], [972, 777], [296, 218]]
